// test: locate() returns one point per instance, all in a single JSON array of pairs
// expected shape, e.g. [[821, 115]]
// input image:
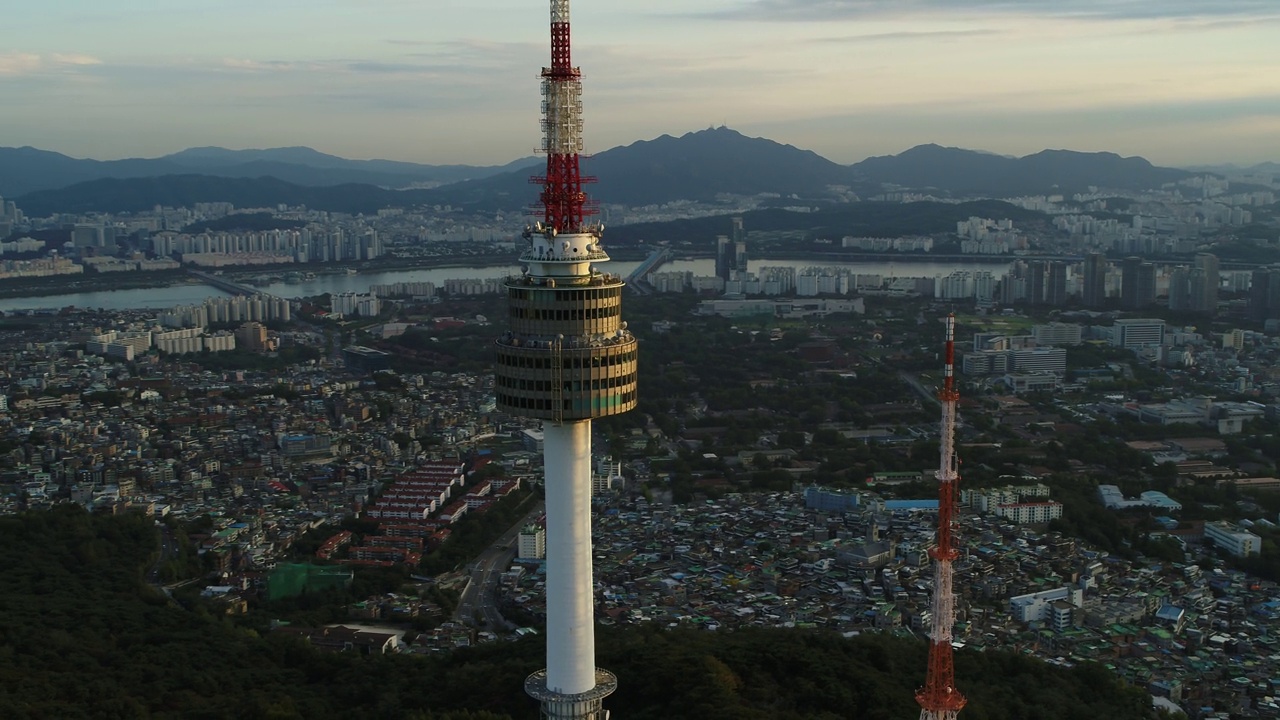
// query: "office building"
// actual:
[[1135, 333]]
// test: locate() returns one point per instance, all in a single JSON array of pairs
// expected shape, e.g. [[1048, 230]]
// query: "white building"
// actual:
[[607, 478], [1036, 607], [822, 281], [1231, 538], [1061, 615], [1025, 513], [532, 544], [1057, 334], [1040, 360], [125, 345], [1112, 497], [193, 340], [1135, 333], [989, 500], [347, 304]]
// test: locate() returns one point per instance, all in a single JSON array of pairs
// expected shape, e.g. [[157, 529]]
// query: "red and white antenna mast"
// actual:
[[939, 699], [564, 204]]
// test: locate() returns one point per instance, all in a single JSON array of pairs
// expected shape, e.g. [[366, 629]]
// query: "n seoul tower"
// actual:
[[567, 358]]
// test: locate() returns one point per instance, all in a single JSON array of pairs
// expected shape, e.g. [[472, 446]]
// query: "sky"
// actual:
[[1179, 82]]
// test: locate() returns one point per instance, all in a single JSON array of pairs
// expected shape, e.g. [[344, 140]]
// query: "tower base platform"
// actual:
[[587, 705]]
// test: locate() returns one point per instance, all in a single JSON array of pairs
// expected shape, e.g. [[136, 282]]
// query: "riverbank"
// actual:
[[178, 288], [91, 282], [368, 266], [394, 264], [52, 285], [94, 282]]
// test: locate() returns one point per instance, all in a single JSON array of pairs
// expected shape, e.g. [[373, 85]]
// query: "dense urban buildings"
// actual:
[[1119, 363]]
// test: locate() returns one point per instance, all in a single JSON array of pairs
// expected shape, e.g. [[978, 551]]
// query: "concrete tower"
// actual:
[[567, 358]]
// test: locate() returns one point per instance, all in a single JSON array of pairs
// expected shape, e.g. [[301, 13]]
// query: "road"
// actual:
[[168, 549], [930, 395], [481, 593]]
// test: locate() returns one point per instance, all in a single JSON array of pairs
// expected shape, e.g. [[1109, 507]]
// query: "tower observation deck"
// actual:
[[568, 356], [566, 359]]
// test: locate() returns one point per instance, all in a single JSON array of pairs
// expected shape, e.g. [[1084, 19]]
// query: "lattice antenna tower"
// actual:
[[939, 699], [564, 204]]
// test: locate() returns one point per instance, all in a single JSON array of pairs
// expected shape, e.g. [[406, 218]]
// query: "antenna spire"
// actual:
[[939, 699], [564, 204]]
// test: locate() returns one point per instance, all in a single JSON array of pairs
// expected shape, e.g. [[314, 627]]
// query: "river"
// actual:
[[195, 293]]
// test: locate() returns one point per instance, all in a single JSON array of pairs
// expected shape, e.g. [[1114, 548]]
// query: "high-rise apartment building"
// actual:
[[1056, 285], [1180, 289], [1037, 272], [252, 336], [1094, 290], [1264, 294], [1206, 279], [1137, 284]]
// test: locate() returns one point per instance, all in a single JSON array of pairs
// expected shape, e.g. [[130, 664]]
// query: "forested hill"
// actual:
[[83, 636], [864, 219]]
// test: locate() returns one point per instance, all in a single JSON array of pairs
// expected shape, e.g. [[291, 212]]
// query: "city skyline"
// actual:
[[1177, 82]]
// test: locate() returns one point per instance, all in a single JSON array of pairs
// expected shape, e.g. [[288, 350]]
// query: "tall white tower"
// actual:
[[567, 358]]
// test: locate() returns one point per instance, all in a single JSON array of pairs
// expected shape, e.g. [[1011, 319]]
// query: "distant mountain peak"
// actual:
[[973, 173], [27, 169]]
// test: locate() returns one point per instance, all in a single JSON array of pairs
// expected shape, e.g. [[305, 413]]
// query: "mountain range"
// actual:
[[700, 166], [968, 173], [26, 169], [1263, 168]]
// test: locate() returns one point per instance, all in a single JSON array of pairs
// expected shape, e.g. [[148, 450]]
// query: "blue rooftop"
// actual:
[[910, 504]]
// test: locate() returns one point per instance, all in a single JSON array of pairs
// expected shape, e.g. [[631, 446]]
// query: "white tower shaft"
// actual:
[[571, 648]]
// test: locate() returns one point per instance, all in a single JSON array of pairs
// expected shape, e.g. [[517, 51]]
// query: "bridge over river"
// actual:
[[636, 280], [223, 283]]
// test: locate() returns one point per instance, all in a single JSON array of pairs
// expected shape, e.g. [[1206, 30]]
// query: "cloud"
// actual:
[[912, 35], [826, 10], [386, 68], [267, 65], [74, 59], [15, 64], [19, 63]]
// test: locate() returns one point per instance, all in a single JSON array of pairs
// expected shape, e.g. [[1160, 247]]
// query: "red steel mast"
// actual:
[[564, 204], [939, 699]]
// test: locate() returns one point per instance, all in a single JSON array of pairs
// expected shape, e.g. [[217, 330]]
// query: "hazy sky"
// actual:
[[445, 81]]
